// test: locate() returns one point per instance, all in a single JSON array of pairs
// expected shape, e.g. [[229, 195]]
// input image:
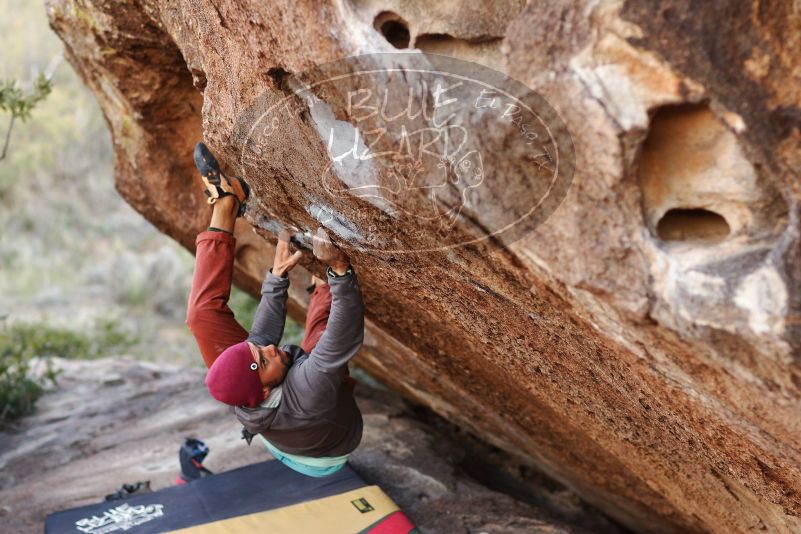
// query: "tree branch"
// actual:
[[8, 137]]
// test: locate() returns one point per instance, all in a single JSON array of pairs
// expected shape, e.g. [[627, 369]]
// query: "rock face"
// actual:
[[640, 340], [73, 452]]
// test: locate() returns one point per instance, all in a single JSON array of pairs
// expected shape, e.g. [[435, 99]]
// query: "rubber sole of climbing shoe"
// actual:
[[218, 184]]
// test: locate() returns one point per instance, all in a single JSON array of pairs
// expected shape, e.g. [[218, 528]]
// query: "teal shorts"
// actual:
[[304, 468]]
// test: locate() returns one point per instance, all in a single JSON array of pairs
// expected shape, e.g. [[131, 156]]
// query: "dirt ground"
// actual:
[[119, 420]]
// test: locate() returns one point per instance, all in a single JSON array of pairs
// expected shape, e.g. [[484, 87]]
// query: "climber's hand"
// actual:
[[327, 252], [284, 260]]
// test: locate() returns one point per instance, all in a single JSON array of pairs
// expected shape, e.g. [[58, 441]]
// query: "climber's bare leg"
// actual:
[[223, 215]]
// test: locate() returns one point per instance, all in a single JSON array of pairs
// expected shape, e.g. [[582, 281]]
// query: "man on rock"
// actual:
[[297, 399]]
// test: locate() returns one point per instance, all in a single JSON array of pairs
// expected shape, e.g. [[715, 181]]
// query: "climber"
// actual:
[[297, 399]]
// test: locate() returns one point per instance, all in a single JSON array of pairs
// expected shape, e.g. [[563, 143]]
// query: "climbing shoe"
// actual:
[[217, 184]]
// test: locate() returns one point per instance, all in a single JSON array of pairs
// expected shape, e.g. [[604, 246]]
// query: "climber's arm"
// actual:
[[268, 323], [344, 332]]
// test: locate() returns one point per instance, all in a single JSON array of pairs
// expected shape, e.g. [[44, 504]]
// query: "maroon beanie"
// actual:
[[233, 378]]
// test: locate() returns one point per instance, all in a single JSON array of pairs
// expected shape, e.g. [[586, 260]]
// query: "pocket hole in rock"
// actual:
[[692, 224], [393, 28]]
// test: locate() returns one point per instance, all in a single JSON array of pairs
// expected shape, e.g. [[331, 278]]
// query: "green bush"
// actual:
[[19, 391], [109, 338], [19, 103], [244, 307], [21, 342], [42, 340], [293, 332]]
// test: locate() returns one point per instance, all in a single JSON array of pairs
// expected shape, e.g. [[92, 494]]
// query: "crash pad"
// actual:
[[263, 497]]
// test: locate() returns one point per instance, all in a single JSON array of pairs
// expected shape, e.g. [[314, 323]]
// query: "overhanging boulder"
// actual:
[[642, 344]]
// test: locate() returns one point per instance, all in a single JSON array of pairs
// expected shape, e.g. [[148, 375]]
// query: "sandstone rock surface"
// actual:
[[642, 344]]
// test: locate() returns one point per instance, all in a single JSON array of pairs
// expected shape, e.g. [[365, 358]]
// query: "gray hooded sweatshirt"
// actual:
[[317, 415]]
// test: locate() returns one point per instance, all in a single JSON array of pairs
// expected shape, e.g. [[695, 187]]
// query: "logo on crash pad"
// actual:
[[407, 152], [362, 505], [123, 517]]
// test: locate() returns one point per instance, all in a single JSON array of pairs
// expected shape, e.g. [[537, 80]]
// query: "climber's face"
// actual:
[[273, 364]]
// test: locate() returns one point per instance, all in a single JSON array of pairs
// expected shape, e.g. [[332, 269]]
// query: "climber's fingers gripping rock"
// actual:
[[327, 252], [284, 259]]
